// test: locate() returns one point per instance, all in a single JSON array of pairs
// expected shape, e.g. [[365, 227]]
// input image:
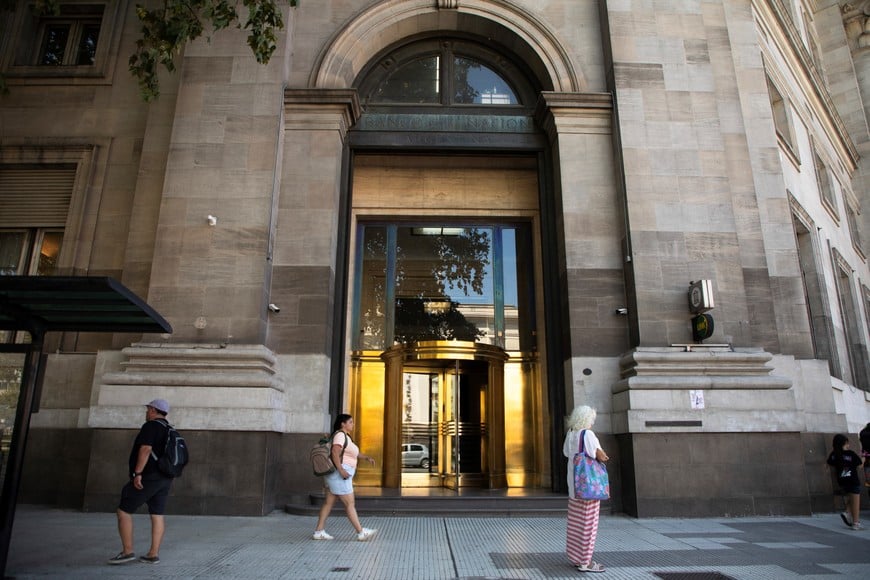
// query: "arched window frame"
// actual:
[[514, 74]]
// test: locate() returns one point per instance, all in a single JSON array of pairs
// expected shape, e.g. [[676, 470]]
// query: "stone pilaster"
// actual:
[[209, 278], [580, 127], [704, 192]]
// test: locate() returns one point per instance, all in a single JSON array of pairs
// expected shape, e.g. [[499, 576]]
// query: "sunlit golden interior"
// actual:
[[432, 424]]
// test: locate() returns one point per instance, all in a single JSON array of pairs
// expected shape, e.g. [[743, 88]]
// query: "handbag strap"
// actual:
[[582, 440]]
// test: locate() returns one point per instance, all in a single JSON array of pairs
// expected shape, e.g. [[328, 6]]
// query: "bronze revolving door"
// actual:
[[466, 413]]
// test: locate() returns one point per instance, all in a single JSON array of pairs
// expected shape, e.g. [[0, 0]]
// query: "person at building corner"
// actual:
[[147, 485], [582, 526], [864, 436], [339, 483], [846, 463]]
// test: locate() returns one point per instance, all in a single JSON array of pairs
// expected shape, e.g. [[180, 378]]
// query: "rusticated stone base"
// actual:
[[726, 474], [231, 473]]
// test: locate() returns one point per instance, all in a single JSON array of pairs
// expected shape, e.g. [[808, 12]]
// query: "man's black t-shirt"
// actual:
[[152, 433]]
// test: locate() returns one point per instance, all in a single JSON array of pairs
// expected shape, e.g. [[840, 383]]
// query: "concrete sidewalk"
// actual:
[[51, 543]]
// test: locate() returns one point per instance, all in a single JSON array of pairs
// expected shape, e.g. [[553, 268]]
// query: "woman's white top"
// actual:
[[572, 446]]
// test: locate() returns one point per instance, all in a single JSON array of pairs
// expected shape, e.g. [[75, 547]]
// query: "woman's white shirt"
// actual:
[[572, 446]]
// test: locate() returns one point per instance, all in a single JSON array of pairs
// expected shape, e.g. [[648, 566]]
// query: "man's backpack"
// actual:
[[321, 455], [175, 455]]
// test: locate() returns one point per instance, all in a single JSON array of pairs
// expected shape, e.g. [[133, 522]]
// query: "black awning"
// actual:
[[74, 304], [40, 304]]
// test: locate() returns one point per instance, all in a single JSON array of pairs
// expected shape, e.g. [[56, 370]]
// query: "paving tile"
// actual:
[[49, 543]]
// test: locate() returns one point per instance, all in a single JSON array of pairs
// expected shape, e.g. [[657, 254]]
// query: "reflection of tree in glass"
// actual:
[[463, 91], [414, 322], [462, 261], [415, 82], [459, 263]]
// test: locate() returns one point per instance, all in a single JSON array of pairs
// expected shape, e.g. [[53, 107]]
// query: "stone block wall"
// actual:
[[714, 474], [231, 473]]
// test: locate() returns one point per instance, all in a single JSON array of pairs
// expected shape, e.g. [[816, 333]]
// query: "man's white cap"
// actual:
[[159, 404]]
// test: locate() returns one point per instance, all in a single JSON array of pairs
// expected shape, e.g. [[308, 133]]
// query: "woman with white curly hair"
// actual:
[[582, 513]]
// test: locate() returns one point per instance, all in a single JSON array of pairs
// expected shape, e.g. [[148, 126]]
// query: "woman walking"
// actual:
[[582, 514], [339, 483], [846, 463]]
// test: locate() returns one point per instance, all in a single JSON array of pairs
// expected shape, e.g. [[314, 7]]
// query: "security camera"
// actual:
[[622, 311], [274, 308]]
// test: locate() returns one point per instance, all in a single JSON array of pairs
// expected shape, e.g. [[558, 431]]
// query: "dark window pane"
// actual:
[[12, 245], [474, 83], [54, 44], [414, 82], [88, 44]]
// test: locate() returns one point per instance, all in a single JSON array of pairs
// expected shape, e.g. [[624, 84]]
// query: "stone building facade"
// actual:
[[456, 219]]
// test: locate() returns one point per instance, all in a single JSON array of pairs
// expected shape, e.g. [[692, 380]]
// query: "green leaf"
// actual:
[[166, 30]]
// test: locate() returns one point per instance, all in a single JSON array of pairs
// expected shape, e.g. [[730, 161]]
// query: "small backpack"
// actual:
[[175, 455], [321, 455]]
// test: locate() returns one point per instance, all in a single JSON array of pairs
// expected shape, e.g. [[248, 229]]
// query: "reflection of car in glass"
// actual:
[[415, 455]]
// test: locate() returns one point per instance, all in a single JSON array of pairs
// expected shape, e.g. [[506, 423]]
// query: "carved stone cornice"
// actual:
[[321, 109], [559, 113]]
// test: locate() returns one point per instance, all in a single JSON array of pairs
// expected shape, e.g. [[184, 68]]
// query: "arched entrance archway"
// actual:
[[452, 158], [391, 22]]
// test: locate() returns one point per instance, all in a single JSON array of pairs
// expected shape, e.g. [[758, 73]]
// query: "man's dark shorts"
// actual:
[[154, 492]]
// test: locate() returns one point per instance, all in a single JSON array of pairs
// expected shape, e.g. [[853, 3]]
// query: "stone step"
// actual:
[[440, 503]]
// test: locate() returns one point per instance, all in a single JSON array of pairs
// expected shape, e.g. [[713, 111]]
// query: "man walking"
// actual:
[[147, 485]]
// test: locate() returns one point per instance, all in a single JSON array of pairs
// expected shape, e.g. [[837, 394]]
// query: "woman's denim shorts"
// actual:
[[337, 484]]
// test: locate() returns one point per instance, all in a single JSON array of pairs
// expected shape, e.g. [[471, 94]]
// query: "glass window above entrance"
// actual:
[[445, 73], [444, 282]]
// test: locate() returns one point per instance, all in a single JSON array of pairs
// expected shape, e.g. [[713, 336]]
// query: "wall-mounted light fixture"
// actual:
[[212, 220]]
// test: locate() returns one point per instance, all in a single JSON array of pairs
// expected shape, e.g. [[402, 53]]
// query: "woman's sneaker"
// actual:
[[365, 534], [321, 535], [857, 526]]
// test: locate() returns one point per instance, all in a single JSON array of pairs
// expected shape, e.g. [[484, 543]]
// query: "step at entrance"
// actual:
[[480, 504]]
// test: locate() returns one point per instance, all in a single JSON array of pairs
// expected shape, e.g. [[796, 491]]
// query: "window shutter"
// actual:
[[37, 197]]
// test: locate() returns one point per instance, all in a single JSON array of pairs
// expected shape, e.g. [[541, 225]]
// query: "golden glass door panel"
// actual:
[[463, 433], [525, 450], [367, 407], [420, 416]]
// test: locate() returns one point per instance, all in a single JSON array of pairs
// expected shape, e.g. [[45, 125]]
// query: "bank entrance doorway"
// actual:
[[444, 322]]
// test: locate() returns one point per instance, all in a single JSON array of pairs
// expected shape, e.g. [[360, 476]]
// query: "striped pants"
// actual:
[[582, 530]]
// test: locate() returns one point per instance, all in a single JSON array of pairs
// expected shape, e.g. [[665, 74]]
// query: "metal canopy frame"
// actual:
[[40, 304]]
